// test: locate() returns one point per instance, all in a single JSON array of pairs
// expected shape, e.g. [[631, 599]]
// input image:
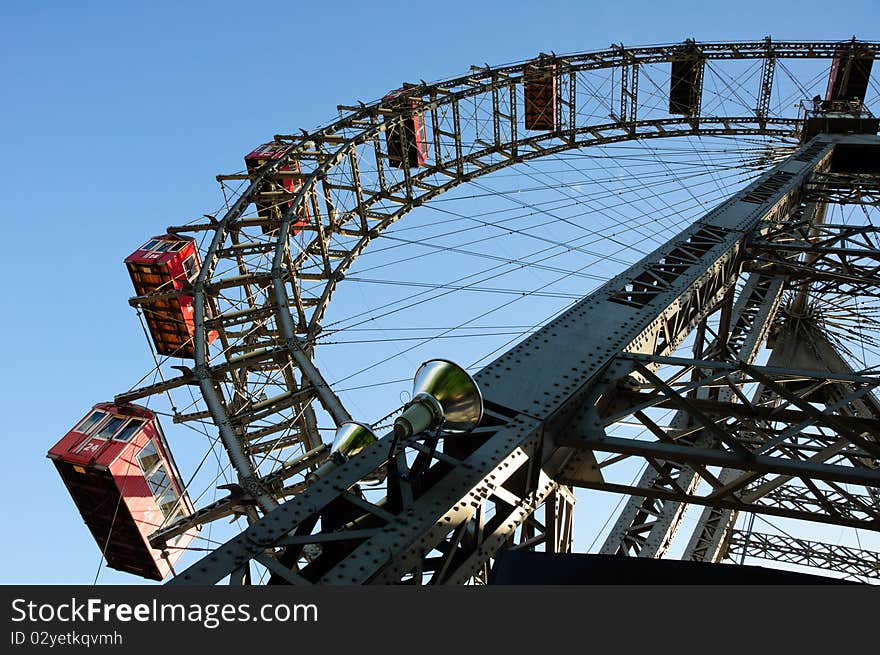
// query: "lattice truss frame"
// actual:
[[266, 283], [803, 552], [452, 503]]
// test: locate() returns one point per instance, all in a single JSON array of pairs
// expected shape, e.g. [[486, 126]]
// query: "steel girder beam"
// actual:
[[629, 90], [803, 552], [836, 258], [789, 422], [647, 524], [420, 529], [834, 475], [845, 188], [799, 497], [768, 66]]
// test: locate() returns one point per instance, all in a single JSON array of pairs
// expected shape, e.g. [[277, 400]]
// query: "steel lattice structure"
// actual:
[[800, 551], [739, 275]]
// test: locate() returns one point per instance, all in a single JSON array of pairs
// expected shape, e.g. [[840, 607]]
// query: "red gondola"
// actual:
[[162, 270], [276, 194], [540, 96], [406, 142], [118, 468]]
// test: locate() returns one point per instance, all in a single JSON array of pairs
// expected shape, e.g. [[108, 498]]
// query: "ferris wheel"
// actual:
[[461, 226]]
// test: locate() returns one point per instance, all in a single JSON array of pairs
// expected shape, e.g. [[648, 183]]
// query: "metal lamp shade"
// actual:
[[351, 439], [456, 392]]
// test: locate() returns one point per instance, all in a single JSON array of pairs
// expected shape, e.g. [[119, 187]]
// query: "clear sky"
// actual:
[[117, 115]]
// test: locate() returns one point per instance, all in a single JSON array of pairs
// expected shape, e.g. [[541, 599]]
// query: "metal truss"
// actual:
[[710, 538], [843, 259], [266, 281], [845, 188], [647, 525], [768, 68], [453, 501], [765, 440], [803, 552], [805, 253]]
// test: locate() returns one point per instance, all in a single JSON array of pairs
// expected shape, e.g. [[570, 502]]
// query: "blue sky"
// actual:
[[117, 115]]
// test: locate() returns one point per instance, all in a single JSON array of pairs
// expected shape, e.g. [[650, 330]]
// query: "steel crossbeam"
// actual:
[[647, 525], [804, 552]]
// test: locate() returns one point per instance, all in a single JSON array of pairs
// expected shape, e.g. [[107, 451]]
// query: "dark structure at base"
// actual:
[[530, 568]]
